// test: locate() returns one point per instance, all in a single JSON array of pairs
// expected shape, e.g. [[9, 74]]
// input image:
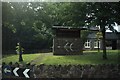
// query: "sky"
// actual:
[[116, 26]]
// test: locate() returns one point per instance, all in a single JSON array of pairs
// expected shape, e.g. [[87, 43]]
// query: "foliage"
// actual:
[[103, 14], [99, 35], [30, 23]]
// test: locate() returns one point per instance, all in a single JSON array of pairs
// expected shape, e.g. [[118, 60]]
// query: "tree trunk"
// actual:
[[98, 47], [104, 44], [20, 53]]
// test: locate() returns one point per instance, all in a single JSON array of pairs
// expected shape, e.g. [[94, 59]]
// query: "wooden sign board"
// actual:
[[67, 41]]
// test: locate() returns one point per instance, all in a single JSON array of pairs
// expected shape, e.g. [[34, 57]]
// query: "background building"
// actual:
[[111, 39]]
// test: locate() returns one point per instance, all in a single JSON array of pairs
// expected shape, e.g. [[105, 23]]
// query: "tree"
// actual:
[[7, 28], [103, 14], [30, 24], [91, 14]]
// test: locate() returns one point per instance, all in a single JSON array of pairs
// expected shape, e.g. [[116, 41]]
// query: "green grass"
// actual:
[[15, 58], [89, 57], [86, 58]]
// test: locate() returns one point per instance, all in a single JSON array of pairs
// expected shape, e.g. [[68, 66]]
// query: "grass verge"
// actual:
[[89, 57], [14, 58], [86, 58]]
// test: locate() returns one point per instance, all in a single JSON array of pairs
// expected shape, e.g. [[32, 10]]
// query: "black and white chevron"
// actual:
[[68, 46], [21, 72]]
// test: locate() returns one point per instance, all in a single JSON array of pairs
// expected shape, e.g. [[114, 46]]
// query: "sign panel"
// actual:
[[7, 70], [68, 46], [67, 40], [21, 72]]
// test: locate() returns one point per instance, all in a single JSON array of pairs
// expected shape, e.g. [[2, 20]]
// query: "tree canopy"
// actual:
[[30, 22]]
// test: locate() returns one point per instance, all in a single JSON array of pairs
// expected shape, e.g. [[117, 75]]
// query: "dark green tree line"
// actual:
[[30, 23]]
